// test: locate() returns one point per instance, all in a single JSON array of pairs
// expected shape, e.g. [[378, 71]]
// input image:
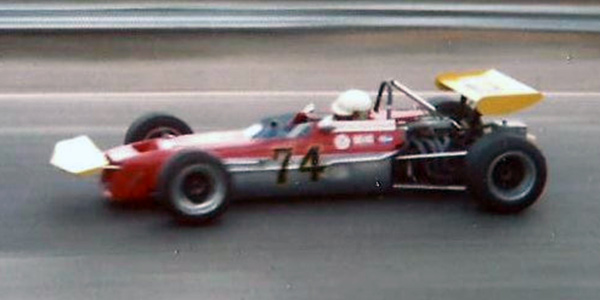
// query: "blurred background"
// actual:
[[215, 45], [91, 67]]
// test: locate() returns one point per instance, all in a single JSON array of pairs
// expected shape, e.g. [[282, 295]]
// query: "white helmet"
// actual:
[[350, 102]]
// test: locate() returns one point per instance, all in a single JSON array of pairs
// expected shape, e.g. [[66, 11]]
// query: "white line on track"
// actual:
[[226, 95]]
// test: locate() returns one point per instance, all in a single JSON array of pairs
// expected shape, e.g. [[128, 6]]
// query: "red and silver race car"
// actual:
[[439, 144]]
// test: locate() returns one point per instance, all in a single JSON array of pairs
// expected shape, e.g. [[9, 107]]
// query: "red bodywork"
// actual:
[[135, 168]]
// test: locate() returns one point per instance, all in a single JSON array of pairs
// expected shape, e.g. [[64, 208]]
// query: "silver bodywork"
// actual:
[[342, 174]]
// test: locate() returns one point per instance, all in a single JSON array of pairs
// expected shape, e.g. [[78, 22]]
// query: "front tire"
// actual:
[[506, 173], [195, 186], [155, 125]]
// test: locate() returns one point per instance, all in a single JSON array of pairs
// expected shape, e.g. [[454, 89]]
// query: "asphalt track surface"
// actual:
[[60, 240]]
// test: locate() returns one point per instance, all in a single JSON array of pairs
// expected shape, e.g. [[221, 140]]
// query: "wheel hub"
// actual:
[[509, 172], [197, 187], [511, 175]]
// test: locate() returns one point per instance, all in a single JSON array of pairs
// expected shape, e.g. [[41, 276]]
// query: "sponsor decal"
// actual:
[[342, 142], [363, 139], [385, 139]]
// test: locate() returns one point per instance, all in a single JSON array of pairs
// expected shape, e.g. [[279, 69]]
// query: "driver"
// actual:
[[352, 105]]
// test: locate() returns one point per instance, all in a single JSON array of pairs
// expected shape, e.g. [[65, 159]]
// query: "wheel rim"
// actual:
[[196, 190], [161, 132], [511, 176], [197, 187]]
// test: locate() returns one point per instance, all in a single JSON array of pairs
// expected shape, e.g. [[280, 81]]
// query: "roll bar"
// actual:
[[388, 85]]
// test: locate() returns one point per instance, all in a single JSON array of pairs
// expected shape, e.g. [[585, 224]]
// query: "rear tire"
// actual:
[[195, 186], [506, 173], [155, 125]]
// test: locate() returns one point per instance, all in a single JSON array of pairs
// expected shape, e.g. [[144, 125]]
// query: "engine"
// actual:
[[431, 136]]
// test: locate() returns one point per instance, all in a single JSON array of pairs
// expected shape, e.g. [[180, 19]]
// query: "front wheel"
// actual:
[[195, 187], [155, 125], [506, 173]]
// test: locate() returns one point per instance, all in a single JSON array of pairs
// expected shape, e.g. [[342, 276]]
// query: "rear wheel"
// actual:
[[195, 187], [155, 125], [506, 173]]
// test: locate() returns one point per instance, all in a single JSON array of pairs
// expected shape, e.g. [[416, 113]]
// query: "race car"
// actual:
[[440, 143]]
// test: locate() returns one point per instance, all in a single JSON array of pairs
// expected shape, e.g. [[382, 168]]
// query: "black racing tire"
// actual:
[[455, 110], [195, 186], [155, 125], [506, 173]]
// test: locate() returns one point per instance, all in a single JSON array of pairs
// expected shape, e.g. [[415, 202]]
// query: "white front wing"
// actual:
[[78, 156]]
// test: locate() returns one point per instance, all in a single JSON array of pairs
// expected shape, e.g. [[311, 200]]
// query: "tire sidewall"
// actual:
[[478, 164], [142, 126], [168, 178]]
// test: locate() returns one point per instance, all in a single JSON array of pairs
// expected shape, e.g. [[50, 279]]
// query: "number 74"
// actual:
[[309, 163]]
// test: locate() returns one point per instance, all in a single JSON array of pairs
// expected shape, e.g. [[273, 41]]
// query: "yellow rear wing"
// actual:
[[490, 92]]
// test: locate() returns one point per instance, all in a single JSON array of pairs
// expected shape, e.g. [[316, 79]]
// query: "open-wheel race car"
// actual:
[[440, 143]]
